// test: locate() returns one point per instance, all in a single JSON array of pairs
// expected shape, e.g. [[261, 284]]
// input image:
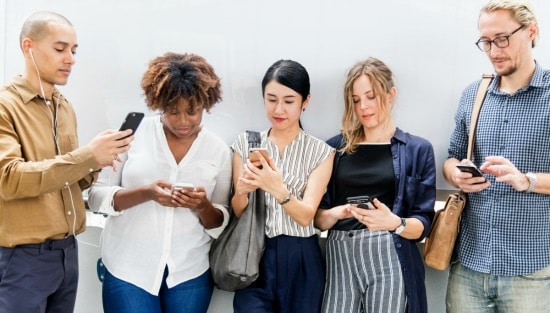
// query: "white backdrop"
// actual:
[[429, 44]]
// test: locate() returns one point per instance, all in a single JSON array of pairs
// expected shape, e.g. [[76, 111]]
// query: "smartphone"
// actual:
[[470, 168], [131, 121], [183, 186], [363, 202], [253, 157]]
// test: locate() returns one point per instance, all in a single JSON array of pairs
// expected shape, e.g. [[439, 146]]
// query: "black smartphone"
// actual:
[[131, 121], [470, 168], [363, 202]]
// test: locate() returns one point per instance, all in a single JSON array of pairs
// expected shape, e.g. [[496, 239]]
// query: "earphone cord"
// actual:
[[74, 221], [58, 151], [46, 101]]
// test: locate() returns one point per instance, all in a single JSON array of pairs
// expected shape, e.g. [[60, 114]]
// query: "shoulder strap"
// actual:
[[480, 97]]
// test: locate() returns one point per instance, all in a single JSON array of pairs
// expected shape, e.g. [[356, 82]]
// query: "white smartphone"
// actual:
[[254, 157], [183, 186]]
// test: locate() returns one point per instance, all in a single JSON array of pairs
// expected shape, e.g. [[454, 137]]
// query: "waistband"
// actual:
[[51, 244], [356, 233]]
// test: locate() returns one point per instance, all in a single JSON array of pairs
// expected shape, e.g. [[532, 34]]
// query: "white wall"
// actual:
[[2, 38], [428, 44]]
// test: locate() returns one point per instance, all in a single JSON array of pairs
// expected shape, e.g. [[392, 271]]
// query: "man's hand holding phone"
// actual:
[[106, 147], [470, 168], [475, 182]]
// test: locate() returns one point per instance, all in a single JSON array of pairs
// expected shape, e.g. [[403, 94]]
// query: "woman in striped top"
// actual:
[[373, 263], [294, 179]]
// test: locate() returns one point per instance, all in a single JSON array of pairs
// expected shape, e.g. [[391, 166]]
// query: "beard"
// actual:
[[507, 71]]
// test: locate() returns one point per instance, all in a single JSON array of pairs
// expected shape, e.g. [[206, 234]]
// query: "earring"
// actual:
[[303, 110]]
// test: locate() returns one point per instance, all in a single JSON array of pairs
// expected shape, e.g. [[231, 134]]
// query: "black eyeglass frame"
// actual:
[[504, 41]]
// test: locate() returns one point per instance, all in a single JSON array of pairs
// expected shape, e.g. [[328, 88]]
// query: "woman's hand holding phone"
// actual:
[[254, 156]]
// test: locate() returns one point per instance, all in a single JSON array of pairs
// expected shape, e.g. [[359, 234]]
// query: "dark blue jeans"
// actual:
[[192, 296], [39, 278]]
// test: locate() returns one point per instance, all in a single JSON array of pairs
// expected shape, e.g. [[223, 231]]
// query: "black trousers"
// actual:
[[39, 278], [292, 278]]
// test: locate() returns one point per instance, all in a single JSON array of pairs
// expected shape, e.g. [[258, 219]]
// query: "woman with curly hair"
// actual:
[[156, 240]]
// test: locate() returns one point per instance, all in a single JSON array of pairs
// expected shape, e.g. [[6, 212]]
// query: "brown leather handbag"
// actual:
[[440, 243]]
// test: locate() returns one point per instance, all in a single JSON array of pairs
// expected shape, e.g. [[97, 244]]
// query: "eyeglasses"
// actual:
[[501, 42]]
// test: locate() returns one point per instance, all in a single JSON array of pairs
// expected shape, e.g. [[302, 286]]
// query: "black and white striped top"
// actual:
[[297, 161]]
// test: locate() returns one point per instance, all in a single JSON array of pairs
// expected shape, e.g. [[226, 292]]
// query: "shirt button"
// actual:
[[68, 212], [398, 245], [91, 170]]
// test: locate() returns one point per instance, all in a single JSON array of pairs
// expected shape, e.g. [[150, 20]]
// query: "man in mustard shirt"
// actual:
[[43, 172]]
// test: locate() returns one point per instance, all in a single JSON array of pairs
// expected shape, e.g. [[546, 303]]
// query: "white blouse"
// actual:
[[138, 243], [300, 157]]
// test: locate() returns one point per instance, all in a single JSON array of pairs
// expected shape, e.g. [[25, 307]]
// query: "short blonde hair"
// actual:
[[521, 10]]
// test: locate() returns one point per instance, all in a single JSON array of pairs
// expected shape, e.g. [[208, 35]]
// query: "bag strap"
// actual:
[[480, 97]]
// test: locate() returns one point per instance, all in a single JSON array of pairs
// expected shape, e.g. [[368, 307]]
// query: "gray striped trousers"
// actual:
[[363, 273]]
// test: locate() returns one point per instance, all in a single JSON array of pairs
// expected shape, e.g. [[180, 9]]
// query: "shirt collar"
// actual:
[[399, 135], [536, 81], [28, 94]]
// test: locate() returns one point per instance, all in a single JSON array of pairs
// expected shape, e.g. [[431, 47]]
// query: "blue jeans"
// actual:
[[469, 291], [192, 296]]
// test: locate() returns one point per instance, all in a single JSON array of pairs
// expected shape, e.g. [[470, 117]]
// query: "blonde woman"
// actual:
[[373, 264]]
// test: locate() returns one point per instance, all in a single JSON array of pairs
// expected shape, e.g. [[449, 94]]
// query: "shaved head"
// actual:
[[36, 26]]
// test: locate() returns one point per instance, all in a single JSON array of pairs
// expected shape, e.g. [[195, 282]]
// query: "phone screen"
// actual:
[[470, 168]]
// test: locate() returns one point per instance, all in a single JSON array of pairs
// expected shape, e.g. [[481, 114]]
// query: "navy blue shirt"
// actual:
[[414, 168], [503, 231]]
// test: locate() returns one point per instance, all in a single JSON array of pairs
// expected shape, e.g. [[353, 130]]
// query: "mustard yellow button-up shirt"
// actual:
[[40, 187]]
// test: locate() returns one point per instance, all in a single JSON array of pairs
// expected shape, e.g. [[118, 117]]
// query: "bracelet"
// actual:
[[286, 199]]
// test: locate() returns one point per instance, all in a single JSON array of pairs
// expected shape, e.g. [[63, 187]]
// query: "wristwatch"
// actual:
[[532, 177], [401, 227]]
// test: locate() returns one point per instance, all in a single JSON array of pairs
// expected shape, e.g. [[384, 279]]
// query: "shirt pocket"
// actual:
[[413, 189]]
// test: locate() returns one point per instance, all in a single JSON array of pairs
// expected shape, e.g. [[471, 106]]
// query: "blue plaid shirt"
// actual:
[[505, 232]]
